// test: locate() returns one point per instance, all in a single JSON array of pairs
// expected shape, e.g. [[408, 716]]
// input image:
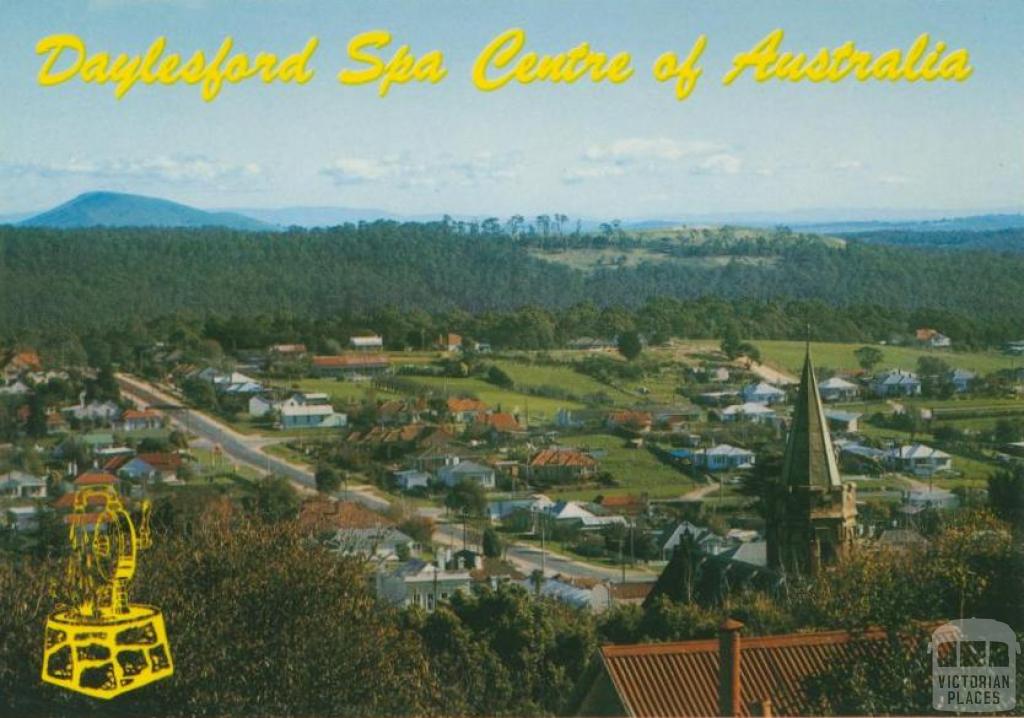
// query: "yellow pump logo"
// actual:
[[103, 645]]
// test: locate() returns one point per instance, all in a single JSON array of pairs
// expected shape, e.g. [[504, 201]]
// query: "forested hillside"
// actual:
[[102, 277], [1002, 240]]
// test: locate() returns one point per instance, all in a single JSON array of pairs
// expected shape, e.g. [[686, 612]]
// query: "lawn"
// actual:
[[341, 392], [563, 377], [541, 409], [636, 471], [789, 355]]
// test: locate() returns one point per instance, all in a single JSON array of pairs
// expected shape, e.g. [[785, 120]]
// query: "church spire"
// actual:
[[810, 459]]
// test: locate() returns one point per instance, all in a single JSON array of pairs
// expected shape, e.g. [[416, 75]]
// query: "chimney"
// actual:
[[729, 668]]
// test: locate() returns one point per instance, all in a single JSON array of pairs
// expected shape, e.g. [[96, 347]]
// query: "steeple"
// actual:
[[810, 458]]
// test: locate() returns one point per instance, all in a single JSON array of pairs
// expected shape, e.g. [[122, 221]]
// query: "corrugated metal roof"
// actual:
[[681, 679]]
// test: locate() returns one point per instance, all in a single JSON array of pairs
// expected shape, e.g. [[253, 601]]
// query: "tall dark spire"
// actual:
[[810, 458]]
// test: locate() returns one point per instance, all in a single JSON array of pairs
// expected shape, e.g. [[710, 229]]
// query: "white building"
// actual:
[[451, 475], [418, 583], [763, 393], [370, 342], [920, 460], [838, 389]]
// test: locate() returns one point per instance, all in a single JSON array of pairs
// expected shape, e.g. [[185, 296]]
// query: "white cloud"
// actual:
[[894, 179], [405, 171], [652, 155], [848, 165], [194, 169], [722, 163]]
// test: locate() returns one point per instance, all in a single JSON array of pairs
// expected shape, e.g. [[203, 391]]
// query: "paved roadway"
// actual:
[[248, 450]]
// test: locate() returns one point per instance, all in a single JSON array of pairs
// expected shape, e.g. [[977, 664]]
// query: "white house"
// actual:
[[99, 411], [411, 479], [379, 543], [261, 405], [723, 458], [763, 393], [451, 475], [708, 541], [838, 389], [843, 421], [418, 583], [896, 383], [315, 416], [750, 411], [921, 460], [370, 342], [23, 518], [19, 485], [503, 508], [962, 379]]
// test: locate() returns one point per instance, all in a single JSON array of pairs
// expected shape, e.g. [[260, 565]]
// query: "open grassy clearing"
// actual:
[[789, 355], [541, 409], [636, 471], [563, 377]]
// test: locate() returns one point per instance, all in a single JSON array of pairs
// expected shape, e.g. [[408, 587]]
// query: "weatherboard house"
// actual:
[[897, 383], [813, 517]]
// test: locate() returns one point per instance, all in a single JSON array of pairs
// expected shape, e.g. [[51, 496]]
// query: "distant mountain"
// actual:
[[113, 209], [976, 223], [317, 216], [15, 217]]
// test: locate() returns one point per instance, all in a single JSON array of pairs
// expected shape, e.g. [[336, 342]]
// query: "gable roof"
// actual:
[[562, 457], [95, 478], [499, 421], [810, 459], [682, 679], [351, 361]]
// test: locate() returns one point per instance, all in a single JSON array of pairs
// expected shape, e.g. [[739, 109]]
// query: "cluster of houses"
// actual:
[[299, 410]]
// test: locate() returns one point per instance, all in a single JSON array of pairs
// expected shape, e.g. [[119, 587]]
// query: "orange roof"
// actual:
[[27, 359], [499, 421], [456, 405], [562, 457], [350, 360], [162, 461], [323, 515], [67, 501], [924, 335], [87, 519], [681, 679], [140, 414], [634, 418], [117, 462], [450, 340], [624, 500], [95, 478]]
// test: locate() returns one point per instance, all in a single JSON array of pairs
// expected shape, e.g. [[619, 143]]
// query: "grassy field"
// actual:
[[636, 470], [542, 409], [341, 392], [790, 356], [562, 377]]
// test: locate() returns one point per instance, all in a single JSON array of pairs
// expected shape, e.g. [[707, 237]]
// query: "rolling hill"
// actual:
[[114, 209]]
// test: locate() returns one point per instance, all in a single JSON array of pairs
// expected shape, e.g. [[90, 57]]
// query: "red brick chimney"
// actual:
[[729, 668]]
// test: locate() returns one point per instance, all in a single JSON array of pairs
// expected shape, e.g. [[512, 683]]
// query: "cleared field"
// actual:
[[562, 377], [636, 471], [541, 409], [790, 356]]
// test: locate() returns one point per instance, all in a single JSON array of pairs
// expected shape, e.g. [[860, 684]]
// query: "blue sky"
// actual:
[[599, 151]]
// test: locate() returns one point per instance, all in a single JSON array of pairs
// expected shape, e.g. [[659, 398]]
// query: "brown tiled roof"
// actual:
[[67, 501], [354, 361], [162, 461], [140, 414], [562, 457], [460, 405], [631, 418], [499, 421], [24, 360], [324, 515], [681, 679], [95, 478], [116, 462]]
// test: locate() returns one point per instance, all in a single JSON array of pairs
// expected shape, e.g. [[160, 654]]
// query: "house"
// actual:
[[312, 416], [750, 411], [95, 478], [469, 470], [576, 512], [380, 543], [408, 479], [288, 351], [97, 440], [560, 589], [920, 460], [434, 459], [838, 389], [725, 676], [100, 412], [261, 405], [858, 458], [366, 343], [309, 398], [140, 420], [462, 560], [842, 421], [449, 342], [156, 466], [932, 338], [674, 417], [896, 383], [19, 485], [503, 508], [762, 393], [962, 380], [465, 410], [418, 583], [630, 419], [16, 363], [705, 539], [351, 366], [717, 398], [722, 457], [500, 422], [560, 464], [23, 518]]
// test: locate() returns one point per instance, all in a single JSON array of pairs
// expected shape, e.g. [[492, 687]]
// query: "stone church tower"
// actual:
[[813, 515]]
